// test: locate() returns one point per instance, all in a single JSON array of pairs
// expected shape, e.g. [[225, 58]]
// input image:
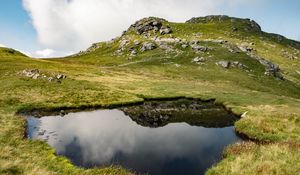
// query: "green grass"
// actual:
[[100, 79]]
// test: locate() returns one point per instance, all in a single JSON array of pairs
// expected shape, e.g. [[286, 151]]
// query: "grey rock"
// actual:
[[239, 65], [123, 43], [224, 64], [136, 42], [30, 73], [184, 46], [199, 48], [165, 30], [36, 76], [194, 42], [133, 53], [50, 79], [148, 46], [245, 48], [61, 76], [199, 60]]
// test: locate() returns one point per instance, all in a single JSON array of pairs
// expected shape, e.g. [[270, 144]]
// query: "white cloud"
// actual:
[[44, 53], [2, 45], [72, 25]]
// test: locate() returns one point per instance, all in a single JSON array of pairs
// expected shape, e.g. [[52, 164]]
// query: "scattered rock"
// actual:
[[224, 64], [31, 73], [165, 30], [50, 79], [239, 65], [271, 69], [61, 76], [136, 42], [184, 46], [148, 46], [123, 43], [133, 53], [245, 47], [36, 74], [228, 64], [194, 42], [199, 60], [199, 48]]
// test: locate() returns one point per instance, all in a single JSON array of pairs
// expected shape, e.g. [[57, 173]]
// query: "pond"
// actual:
[[169, 137]]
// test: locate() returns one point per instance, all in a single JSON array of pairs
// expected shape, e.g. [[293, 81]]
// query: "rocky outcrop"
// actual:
[[271, 69], [151, 24], [37, 74], [236, 64]]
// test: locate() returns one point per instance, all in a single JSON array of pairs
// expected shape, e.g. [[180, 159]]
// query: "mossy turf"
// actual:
[[101, 79]]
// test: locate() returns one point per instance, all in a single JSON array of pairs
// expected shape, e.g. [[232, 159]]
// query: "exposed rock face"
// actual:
[[271, 69], [146, 25]]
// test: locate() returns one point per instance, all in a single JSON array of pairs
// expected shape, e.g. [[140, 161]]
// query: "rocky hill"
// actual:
[[227, 60]]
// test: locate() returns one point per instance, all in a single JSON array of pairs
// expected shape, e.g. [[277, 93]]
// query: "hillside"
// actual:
[[227, 59], [6, 52]]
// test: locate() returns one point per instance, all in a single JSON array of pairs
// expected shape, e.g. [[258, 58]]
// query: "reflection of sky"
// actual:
[[107, 137]]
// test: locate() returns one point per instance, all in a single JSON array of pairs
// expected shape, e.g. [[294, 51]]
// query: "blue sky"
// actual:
[[28, 25]]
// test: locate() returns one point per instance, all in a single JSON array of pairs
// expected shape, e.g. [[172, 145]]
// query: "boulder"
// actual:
[[133, 53], [199, 60], [148, 46], [184, 46], [224, 64], [199, 48], [31, 73], [61, 76], [165, 30]]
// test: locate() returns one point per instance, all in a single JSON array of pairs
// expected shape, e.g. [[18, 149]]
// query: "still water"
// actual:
[[110, 137]]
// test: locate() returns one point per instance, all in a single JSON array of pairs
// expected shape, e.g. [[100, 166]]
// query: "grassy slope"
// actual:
[[100, 79]]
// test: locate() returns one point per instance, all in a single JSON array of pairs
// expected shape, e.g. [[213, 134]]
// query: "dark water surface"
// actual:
[[109, 137]]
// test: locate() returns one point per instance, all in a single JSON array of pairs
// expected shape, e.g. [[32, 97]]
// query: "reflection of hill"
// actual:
[[193, 112]]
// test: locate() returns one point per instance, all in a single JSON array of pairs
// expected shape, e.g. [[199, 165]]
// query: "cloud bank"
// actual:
[[72, 25], [1, 45]]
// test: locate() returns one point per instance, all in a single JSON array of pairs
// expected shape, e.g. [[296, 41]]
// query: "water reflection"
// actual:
[[107, 137]]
